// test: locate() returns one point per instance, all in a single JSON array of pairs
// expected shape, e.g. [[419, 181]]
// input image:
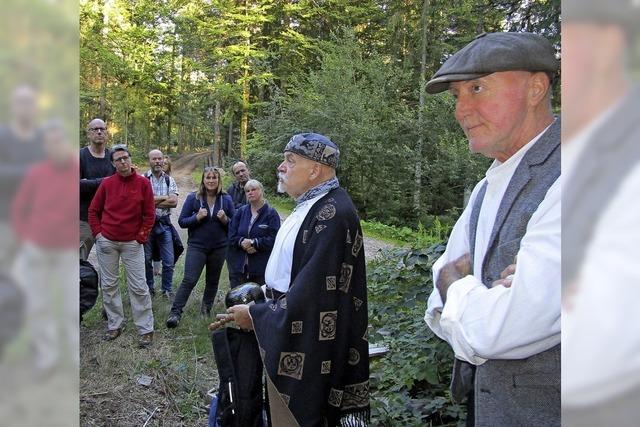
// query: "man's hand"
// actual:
[[452, 271], [506, 277], [240, 314]]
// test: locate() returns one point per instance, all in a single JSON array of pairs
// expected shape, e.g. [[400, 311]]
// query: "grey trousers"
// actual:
[[109, 253]]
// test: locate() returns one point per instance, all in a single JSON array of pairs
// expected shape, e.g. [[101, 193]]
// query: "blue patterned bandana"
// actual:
[[325, 187], [316, 147]]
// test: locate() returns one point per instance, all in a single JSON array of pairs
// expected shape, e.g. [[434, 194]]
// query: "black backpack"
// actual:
[[240, 396], [88, 287]]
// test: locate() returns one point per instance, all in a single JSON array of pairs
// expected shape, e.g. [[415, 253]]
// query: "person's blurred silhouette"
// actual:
[[600, 231], [47, 257], [20, 146]]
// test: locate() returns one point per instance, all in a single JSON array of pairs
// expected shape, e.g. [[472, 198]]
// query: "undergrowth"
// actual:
[[410, 385]]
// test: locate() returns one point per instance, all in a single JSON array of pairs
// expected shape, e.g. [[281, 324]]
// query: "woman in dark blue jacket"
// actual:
[[205, 214], [252, 232]]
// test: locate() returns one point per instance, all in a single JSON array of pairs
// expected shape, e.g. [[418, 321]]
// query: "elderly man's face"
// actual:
[[492, 110], [156, 161], [97, 132], [241, 173], [293, 174]]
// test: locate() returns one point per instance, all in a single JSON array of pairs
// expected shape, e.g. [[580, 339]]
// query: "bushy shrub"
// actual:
[[410, 385]]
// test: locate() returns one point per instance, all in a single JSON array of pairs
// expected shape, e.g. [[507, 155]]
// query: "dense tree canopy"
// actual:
[[239, 77]]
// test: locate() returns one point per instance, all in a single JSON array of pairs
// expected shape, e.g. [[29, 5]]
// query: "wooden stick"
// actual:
[[220, 323], [147, 422]]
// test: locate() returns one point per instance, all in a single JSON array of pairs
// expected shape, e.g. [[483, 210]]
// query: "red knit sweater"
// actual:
[[123, 208], [45, 208]]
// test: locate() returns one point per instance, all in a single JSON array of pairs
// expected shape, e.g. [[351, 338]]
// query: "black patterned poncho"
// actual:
[[313, 339]]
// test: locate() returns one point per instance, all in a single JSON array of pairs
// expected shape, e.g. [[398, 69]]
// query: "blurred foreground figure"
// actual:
[[601, 221], [47, 255], [20, 146]]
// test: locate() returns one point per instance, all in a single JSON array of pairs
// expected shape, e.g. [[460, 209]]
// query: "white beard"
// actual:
[[281, 184]]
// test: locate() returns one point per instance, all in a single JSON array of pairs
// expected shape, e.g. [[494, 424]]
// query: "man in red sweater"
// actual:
[[121, 216]]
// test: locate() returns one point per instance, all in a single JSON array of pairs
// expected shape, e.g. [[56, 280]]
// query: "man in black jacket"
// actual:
[[94, 165]]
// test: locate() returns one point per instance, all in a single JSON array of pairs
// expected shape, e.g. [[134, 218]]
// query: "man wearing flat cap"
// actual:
[[312, 331], [496, 297]]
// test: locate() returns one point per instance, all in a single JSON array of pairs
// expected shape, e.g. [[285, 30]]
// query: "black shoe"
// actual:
[[173, 321], [152, 292]]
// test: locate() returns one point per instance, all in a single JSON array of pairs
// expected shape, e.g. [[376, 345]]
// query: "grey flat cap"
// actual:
[[493, 52]]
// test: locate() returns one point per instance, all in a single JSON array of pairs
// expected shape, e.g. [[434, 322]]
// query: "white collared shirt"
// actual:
[[483, 323], [277, 275]]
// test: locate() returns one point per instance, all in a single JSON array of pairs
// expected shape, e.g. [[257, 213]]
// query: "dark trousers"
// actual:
[[161, 236], [195, 260]]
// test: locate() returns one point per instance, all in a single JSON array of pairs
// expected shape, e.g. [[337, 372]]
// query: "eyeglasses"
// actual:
[[97, 129], [121, 159]]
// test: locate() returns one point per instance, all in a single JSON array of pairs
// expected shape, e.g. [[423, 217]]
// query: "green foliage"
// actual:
[[240, 78], [409, 384], [283, 204], [435, 232], [359, 101]]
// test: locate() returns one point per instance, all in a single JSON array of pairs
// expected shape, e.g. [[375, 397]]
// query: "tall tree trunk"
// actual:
[[126, 126], [230, 140], [417, 202], [103, 78], [181, 137], [216, 149], [244, 120]]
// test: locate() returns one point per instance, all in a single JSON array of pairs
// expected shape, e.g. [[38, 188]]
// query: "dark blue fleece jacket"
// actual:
[[208, 233]]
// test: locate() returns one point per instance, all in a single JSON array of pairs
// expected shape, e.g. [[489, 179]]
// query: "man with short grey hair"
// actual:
[[502, 317], [165, 194]]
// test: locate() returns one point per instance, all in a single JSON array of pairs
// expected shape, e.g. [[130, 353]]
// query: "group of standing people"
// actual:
[[237, 226], [126, 215]]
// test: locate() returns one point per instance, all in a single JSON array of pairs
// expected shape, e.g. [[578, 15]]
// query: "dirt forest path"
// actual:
[[167, 384]]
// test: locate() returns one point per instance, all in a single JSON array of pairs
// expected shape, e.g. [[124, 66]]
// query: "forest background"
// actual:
[[240, 77], [237, 78]]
